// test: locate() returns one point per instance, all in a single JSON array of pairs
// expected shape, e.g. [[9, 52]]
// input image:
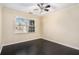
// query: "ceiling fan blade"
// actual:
[[46, 9], [48, 6], [38, 5]]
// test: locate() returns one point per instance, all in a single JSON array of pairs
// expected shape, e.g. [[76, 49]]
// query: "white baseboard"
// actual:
[[60, 43], [20, 41]]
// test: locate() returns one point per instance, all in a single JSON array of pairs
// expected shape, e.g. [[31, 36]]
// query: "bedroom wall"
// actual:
[[0, 26], [8, 26], [63, 27]]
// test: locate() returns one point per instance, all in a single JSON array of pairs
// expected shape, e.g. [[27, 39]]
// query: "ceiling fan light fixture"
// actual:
[[42, 8]]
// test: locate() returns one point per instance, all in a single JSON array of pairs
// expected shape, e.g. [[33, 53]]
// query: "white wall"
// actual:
[[63, 27], [0, 26], [8, 25]]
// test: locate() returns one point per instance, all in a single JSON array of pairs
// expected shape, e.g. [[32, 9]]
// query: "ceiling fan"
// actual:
[[44, 6]]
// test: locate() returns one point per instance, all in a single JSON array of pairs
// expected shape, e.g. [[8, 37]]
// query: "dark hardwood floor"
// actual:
[[38, 47]]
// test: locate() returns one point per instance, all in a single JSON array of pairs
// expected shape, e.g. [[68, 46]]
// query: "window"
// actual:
[[24, 25], [31, 26]]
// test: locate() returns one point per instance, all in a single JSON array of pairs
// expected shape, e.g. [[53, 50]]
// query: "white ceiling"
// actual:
[[27, 7]]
